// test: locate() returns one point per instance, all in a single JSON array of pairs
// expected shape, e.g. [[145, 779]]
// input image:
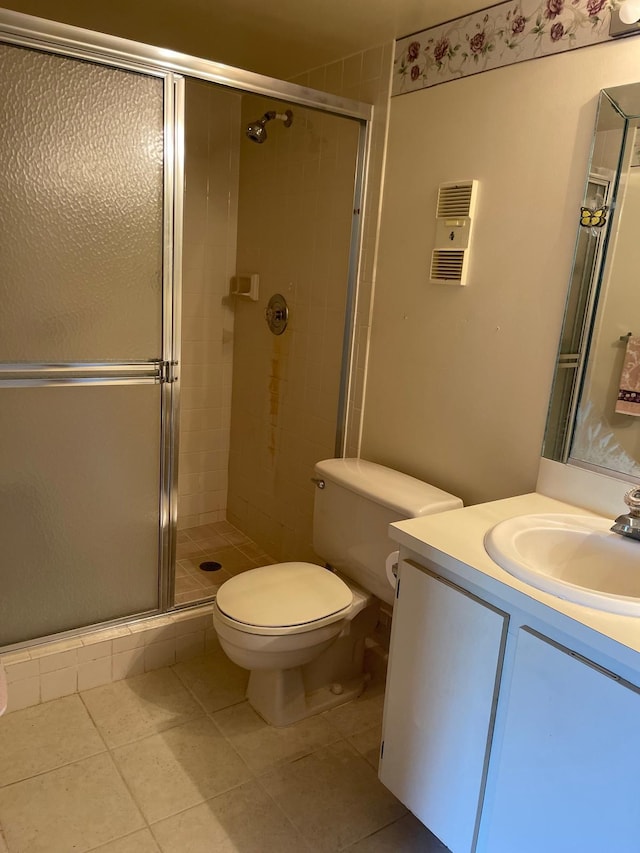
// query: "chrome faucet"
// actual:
[[629, 524]]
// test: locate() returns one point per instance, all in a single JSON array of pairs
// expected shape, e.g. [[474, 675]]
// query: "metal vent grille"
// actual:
[[447, 265], [454, 200]]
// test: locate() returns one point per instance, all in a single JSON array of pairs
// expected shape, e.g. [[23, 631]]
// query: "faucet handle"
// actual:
[[632, 500]]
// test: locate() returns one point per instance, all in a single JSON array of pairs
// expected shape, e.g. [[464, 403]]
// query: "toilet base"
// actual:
[[335, 676], [280, 699]]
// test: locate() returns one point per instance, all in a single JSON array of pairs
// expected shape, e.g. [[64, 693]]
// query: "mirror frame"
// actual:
[[585, 291]]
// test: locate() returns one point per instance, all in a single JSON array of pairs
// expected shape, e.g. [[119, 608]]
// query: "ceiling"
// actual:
[[276, 37]]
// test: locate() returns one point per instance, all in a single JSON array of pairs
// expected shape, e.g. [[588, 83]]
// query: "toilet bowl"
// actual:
[[301, 628], [280, 616]]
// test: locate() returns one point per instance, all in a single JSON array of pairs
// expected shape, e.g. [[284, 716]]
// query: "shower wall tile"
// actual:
[[62, 682], [210, 236], [49, 671], [127, 664], [95, 673], [286, 390], [24, 694]]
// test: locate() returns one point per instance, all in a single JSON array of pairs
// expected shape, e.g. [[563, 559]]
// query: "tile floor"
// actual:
[[220, 542], [175, 760]]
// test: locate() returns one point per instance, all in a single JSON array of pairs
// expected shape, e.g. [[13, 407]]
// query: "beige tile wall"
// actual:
[[296, 193], [365, 77], [210, 229], [62, 667]]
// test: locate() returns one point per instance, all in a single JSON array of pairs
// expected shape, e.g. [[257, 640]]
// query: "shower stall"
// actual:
[[149, 419]]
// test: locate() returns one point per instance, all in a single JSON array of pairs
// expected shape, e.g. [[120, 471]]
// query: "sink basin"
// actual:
[[575, 557]]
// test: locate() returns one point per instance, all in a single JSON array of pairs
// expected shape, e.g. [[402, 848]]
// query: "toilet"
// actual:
[[301, 628]]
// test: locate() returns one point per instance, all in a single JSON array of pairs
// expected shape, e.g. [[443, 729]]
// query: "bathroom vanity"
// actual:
[[512, 717]]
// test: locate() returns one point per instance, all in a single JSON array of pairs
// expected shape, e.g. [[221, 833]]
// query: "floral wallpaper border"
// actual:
[[513, 31]]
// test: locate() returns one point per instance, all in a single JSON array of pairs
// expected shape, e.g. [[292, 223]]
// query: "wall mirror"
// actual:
[[603, 304]]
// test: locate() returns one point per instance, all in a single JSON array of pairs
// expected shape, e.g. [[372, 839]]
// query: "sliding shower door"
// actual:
[[83, 342]]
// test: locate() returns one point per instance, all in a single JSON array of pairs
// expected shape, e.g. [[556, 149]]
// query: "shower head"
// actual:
[[257, 130]]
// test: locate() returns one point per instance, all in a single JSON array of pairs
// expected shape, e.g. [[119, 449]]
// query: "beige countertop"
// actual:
[[454, 541]]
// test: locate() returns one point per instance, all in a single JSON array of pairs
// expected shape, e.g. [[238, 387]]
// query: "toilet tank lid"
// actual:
[[403, 494]]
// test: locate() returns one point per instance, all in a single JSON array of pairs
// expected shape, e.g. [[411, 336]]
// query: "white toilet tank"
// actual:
[[353, 511]]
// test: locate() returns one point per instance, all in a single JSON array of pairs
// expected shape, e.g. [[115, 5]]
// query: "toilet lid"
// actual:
[[283, 595]]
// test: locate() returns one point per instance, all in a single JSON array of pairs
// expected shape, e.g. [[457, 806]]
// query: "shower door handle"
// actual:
[[168, 371], [37, 374]]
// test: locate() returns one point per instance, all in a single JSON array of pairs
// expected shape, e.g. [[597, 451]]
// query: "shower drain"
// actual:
[[210, 566]]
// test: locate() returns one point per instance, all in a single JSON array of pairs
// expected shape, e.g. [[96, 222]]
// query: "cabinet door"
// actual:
[[445, 660], [567, 771]]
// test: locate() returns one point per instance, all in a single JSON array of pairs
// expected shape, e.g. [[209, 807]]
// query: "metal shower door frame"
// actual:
[[158, 371], [73, 42]]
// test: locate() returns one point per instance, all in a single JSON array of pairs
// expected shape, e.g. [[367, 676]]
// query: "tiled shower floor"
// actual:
[[221, 543], [175, 761]]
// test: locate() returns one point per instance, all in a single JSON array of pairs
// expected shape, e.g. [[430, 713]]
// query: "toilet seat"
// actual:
[[284, 598]]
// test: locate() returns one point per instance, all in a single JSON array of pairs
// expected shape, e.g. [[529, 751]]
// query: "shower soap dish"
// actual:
[[247, 284]]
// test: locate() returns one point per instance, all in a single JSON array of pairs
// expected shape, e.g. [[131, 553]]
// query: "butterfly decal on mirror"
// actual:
[[593, 217]]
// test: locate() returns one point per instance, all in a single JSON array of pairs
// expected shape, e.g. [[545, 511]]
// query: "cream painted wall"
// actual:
[[459, 378]]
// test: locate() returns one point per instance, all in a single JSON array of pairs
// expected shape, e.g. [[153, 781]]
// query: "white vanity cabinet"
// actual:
[[566, 764], [497, 735], [446, 654]]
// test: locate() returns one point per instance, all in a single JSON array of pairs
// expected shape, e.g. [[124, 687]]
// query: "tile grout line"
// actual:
[[189, 719], [371, 834], [115, 764], [119, 838], [148, 824], [282, 811], [53, 769]]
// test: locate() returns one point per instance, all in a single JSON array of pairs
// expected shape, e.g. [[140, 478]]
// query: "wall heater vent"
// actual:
[[455, 211], [447, 265], [455, 199]]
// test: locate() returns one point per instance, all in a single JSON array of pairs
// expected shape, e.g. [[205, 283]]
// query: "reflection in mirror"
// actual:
[[603, 305]]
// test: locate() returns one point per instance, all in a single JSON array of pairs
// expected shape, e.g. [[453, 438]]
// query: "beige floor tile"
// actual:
[[214, 680], [204, 531], [139, 842], [187, 549], [358, 715], [263, 746], [333, 797], [236, 537], [251, 549], [406, 835], [263, 560], [187, 583], [179, 768], [231, 558], [368, 743], [244, 820], [223, 527], [211, 579], [128, 710], [46, 736], [74, 808], [193, 595], [210, 541]]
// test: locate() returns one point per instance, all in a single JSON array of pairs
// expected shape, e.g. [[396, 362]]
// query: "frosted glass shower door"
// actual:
[[81, 342]]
